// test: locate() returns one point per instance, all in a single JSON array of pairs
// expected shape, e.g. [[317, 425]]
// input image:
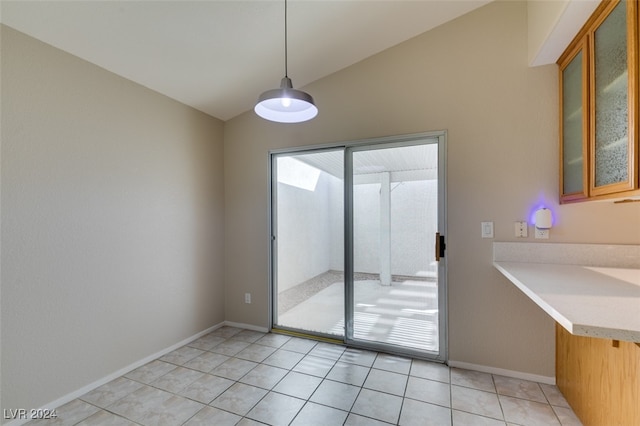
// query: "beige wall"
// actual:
[[112, 222], [469, 77]]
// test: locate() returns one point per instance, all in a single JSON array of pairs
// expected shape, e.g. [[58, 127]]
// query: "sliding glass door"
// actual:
[[308, 241], [353, 243], [392, 280]]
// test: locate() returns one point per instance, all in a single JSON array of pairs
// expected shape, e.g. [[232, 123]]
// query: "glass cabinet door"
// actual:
[[610, 137], [573, 147]]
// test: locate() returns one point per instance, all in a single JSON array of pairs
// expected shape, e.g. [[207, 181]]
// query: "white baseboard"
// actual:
[[88, 388], [246, 326], [548, 380]]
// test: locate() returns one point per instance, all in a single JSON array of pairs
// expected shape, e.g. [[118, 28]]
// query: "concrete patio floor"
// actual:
[[404, 313]]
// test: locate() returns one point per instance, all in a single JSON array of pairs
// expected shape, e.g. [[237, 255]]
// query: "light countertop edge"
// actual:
[[535, 297], [566, 293]]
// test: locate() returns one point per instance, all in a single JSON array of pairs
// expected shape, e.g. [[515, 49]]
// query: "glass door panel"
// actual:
[[611, 87], [393, 276], [574, 127], [308, 242]]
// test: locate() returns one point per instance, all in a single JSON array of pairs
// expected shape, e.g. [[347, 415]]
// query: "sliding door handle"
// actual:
[[440, 246]]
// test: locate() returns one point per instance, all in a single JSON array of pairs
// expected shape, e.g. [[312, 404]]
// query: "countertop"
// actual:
[[587, 300]]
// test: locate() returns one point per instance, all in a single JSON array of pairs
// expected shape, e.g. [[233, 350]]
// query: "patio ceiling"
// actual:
[[415, 162]]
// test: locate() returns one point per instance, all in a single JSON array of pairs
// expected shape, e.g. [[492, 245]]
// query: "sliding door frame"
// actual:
[[348, 149], [385, 143]]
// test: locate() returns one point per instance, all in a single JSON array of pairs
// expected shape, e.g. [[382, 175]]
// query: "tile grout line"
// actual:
[[361, 388], [450, 393], [493, 380]]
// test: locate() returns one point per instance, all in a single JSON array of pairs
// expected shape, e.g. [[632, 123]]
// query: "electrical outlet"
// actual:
[[542, 234], [522, 230], [247, 298]]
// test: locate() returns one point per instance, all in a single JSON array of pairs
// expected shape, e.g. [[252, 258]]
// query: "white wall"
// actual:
[[311, 229], [469, 77], [366, 228], [304, 232], [414, 222], [413, 226], [112, 222], [552, 25], [336, 206], [414, 215]]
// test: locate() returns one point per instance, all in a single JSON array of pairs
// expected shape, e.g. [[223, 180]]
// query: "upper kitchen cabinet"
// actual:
[[599, 107]]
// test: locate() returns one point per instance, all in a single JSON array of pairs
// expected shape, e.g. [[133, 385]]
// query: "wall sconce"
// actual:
[[543, 222]]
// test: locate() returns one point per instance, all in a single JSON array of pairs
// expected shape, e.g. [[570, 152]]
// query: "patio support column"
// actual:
[[385, 228]]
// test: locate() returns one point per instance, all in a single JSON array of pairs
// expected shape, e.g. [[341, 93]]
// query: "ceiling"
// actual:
[[218, 56]]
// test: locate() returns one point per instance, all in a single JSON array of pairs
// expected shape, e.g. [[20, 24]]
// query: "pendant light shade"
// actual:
[[286, 104]]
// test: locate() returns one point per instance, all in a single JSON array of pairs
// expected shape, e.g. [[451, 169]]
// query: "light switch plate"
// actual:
[[487, 229]]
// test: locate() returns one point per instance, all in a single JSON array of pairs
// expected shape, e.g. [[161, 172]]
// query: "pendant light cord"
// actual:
[[286, 73]]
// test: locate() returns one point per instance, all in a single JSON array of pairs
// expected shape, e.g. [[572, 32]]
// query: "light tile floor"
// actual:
[[241, 377]]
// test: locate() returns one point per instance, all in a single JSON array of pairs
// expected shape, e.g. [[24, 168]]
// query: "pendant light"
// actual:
[[286, 104]]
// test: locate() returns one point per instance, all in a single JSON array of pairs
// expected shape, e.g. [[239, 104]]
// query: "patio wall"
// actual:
[[311, 236]]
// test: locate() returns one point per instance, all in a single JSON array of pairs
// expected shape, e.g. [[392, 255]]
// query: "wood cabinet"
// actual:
[[600, 378], [599, 153]]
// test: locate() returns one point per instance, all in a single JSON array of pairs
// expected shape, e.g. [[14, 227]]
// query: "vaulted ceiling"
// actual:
[[218, 56]]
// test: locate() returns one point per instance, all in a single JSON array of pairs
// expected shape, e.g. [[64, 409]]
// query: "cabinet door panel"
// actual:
[[610, 88], [573, 122]]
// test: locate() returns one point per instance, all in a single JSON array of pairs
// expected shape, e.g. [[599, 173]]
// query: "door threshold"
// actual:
[[307, 336]]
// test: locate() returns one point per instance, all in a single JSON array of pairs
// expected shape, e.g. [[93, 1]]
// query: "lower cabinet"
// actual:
[[600, 378]]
